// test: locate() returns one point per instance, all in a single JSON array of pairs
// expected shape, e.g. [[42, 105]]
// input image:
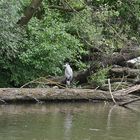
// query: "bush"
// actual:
[[99, 78]]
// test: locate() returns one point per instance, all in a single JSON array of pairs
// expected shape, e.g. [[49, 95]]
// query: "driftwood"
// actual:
[[51, 94]]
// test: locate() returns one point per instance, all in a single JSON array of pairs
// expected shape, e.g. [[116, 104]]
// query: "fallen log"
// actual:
[[123, 79], [50, 94], [124, 71], [67, 94]]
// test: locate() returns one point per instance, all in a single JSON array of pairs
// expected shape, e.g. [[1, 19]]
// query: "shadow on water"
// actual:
[[68, 121]]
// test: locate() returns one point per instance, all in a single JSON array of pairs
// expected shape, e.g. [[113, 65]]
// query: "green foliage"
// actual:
[[11, 39], [40, 50], [50, 45], [99, 78], [9, 34]]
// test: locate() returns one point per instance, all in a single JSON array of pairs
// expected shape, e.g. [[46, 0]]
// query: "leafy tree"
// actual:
[[40, 49], [11, 39]]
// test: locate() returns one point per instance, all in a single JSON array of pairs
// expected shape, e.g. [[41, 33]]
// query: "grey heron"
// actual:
[[68, 74]]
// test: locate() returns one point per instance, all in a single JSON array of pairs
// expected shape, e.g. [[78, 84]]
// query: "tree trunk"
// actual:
[[29, 12]]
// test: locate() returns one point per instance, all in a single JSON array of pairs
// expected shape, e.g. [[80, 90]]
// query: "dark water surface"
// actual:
[[68, 121]]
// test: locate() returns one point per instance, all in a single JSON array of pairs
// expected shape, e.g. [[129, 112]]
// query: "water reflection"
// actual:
[[109, 116], [68, 126], [76, 121]]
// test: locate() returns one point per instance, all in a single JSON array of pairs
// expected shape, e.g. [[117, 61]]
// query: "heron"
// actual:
[[68, 74]]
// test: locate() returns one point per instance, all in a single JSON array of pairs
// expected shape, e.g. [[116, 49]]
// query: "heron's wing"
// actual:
[[68, 73]]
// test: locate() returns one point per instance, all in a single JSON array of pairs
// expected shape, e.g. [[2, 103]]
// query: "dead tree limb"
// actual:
[[130, 90]]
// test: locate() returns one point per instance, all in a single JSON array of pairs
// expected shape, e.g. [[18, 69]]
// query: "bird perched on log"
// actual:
[[68, 74]]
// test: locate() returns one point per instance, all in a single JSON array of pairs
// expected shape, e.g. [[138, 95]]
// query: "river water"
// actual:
[[68, 121]]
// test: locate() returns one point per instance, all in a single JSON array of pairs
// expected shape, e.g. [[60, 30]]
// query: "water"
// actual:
[[75, 121]]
